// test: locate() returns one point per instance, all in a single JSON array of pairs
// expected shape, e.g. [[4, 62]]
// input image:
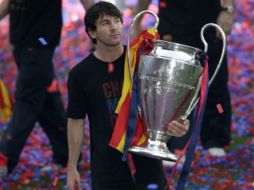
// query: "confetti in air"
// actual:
[[219, 108], [43, 41]]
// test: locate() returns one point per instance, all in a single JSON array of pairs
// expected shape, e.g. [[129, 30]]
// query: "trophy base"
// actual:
[[154, 152]]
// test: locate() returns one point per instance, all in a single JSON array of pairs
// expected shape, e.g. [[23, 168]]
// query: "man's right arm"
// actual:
[[75, 138], [4, 8]]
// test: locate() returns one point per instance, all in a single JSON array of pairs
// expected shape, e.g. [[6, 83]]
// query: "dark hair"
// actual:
[[99, 10]]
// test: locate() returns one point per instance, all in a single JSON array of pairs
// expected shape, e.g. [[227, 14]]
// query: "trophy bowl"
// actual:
[[169, 81]]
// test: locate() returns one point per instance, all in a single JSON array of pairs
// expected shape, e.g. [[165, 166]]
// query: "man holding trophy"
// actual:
[[94, 89]]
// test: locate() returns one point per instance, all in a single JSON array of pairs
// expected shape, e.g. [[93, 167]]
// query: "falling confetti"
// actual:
[[219, 108], [43, 41]]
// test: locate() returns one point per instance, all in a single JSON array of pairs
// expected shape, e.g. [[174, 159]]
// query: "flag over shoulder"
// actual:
[[142, 44]]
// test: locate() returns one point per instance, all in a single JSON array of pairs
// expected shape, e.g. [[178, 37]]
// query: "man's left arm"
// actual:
[[227, 3], [225, 18]]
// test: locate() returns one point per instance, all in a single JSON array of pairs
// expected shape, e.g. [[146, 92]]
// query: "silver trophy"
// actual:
[[169, 80]]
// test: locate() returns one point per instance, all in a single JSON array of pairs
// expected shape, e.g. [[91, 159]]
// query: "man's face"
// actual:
[[109, 31]]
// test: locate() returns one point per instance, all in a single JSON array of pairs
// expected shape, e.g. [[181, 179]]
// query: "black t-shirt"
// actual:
[[34, 23], [186, 17], [94, 89]]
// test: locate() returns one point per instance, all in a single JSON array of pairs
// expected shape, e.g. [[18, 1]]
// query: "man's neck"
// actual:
[[108, 54]]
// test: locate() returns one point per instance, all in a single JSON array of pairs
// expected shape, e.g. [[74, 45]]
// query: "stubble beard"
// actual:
[[109, 43]]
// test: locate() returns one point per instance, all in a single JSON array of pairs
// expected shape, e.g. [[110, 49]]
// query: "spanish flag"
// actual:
[[129, 129], [6, 103]]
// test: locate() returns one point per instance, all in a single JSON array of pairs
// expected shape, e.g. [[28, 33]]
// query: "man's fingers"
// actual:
[[74, 186], [78, 185], [73, 182], [70, 187], [182, 125], [177, 129]]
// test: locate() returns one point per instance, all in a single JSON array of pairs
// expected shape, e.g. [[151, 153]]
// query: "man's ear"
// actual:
[[92, 34]]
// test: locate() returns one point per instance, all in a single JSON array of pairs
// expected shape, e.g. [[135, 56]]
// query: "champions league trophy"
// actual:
[[169, 80]]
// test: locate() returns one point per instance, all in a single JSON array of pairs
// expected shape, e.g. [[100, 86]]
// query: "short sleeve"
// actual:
[[76, 107]]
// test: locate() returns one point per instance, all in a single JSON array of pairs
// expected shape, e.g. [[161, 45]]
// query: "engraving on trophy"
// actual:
[[182, 85], [166, 82]]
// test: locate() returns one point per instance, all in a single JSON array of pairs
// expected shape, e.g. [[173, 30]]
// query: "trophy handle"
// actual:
[[206, 49], [129, 34]]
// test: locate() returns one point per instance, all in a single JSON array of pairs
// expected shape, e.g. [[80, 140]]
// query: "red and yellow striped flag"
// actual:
[[6, 102], [141, 45]]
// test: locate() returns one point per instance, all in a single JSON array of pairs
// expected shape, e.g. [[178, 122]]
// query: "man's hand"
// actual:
[[177, 128], [73, 179]]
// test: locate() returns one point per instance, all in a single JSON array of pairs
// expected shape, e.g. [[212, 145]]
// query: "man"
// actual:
[[94, 89], [181, 22], [35, 29]]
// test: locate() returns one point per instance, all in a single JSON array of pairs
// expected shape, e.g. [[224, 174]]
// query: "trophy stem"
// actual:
[[155, 148]]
